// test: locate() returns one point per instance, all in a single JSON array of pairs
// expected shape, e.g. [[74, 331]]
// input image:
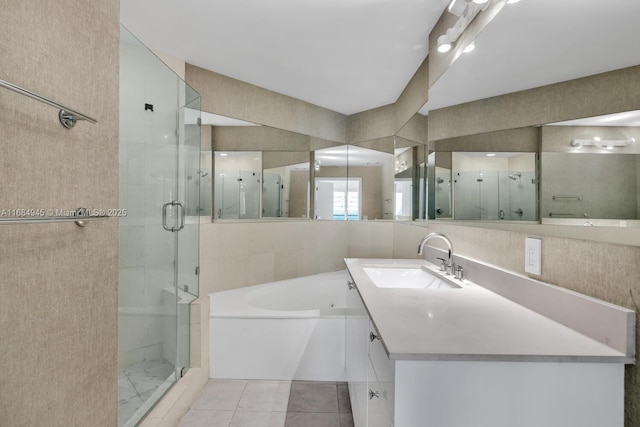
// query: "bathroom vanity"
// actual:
[[457, 354]]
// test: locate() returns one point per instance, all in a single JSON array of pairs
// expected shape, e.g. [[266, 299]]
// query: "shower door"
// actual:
[[159, 160], [272, 195]]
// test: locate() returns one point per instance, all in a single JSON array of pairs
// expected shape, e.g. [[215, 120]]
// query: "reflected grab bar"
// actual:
[[579, 198], [573, 215], [67, 116]]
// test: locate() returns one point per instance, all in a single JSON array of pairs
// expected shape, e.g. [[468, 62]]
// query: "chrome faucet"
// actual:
[[449, 266]]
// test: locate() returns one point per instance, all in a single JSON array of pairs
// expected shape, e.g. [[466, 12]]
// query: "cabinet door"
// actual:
[[378, 410], [381, 383], [357, 330]]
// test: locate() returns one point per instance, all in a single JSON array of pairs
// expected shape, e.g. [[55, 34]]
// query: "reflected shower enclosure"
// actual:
[[160, 176], [238, 177], [501, 186], [443, 192]]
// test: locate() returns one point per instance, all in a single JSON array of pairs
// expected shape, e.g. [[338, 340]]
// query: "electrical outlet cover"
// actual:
[[533, 256]]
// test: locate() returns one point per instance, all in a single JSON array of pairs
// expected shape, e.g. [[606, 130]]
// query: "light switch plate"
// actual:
[[533, 256]]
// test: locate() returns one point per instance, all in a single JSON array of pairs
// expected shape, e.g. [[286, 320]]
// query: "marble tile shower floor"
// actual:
[[137, 383], [253, 403]]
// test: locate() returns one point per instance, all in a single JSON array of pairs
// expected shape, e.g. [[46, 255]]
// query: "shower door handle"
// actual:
[[164, 216]]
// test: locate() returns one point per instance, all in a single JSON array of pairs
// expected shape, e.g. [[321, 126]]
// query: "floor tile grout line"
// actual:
[[238, 402]]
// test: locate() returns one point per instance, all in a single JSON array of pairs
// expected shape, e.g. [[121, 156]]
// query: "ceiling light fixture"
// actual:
[[444, 44], [466, 11], [470, 47]]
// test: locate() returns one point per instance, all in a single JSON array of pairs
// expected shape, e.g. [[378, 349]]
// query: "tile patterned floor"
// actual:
[[249, 403], [137, 383]]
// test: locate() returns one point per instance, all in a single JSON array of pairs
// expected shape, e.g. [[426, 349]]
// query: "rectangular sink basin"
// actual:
[[407, 278]]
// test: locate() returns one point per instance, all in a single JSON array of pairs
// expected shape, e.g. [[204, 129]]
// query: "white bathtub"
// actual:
[[286, 330]]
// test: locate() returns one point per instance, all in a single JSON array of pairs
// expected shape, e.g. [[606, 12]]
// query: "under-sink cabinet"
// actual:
[[370, 373], [357, 355], [381, 383], [412, 360]]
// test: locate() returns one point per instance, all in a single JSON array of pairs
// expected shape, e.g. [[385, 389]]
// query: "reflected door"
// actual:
[[324, 200], [272, 195]]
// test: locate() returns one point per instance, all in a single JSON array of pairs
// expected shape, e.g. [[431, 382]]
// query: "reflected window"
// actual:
[[403, 198], [338, 199]]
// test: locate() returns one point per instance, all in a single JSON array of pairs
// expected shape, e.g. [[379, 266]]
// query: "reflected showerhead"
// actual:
[[515, 176], [203, 173]]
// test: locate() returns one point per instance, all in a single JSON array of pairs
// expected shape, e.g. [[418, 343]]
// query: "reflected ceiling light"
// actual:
[[444, 44], [480, 1], [491, 154], [609, 144], [512, 1], [457, 7], [470, 47], [224, 154]]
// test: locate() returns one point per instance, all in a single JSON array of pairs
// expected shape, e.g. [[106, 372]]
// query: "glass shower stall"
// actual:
[[159, 188]]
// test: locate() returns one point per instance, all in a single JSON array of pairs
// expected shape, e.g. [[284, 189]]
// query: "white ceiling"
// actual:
[[347, 56], [355, 55]]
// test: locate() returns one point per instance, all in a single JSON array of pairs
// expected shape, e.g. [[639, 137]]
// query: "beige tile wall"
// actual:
[[604, 93], [240, 254], [58, 282], [234, 98]]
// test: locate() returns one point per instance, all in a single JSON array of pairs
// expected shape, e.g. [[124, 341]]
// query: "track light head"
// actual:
[[444, 44]]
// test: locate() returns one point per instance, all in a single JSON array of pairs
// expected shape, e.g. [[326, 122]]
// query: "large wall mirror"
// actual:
[[589, 174], [250, 172], [577, 172]]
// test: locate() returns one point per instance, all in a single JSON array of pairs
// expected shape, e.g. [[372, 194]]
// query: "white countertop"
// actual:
[[470, 323]]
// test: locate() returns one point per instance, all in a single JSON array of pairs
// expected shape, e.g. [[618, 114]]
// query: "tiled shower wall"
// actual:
[[234, 255], [58, 282]]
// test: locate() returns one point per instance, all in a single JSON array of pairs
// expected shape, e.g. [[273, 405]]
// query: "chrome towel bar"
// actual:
[[67, 116], [80, 221], [78, 216]]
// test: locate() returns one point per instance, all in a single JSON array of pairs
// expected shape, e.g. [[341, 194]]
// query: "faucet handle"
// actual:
[[459, 272], [443, 264]]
